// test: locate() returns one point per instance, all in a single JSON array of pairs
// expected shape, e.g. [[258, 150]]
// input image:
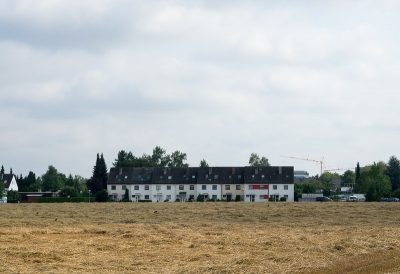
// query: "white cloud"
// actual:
[[216, 80]]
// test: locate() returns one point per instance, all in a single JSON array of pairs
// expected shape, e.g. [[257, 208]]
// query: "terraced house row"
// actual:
[[250, 184]]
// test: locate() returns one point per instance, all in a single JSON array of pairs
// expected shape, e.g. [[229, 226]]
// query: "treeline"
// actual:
[[159, 158], [52, 180], [376, 181]]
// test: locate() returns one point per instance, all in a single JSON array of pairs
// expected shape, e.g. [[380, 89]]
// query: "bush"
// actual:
[[101, 196], [282, 199], [63, 200], [200, 198], [68, 192], [13, 197], [396, 193]]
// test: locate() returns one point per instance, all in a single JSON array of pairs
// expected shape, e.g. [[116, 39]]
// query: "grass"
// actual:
[[200, 238]]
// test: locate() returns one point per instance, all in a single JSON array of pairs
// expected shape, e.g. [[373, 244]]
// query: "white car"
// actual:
[[353, 199]]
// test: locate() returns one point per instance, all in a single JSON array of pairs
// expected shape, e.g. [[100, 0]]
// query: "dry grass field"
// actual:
[[200, 238]]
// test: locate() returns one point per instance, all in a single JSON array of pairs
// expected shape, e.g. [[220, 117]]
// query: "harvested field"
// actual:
[[200, 238]]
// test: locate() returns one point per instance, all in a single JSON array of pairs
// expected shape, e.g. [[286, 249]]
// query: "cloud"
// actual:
[[217, 80]]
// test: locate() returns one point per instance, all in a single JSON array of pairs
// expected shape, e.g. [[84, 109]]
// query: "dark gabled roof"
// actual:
[[7, 178], [126, 175]]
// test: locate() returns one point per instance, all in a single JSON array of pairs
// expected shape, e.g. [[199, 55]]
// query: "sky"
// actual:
[[215, 79]]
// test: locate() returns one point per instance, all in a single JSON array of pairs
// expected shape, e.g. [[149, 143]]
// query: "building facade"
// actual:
[[250, 184]]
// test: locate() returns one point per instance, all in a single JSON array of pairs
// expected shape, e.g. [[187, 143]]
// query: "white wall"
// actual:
[[282, 192], [161, 194], [13, 185], [209, 190]]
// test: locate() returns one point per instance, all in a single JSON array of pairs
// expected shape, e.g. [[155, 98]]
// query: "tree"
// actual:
[[203, 163], [374, 182], [393, 171], [2, 189], [69, 191], [126, 195], [348, 178], [101, 196], [31, 182], [178, 159], [159, 158], [70, 181], [52, 180], [256, 161], [2, 170], [98, 181]]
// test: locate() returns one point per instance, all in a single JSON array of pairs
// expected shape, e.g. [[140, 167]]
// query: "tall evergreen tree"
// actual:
[[2, 170], [393, 171], [11, 171], [358, 172], [98, 181]]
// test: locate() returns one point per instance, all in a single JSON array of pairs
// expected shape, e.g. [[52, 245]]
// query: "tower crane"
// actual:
[[320, 162]]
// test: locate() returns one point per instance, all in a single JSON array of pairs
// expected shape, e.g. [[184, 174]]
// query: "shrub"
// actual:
[[282, 199], [200, 198], [68, 192], [101, 196], [13, 197], [63, 200]]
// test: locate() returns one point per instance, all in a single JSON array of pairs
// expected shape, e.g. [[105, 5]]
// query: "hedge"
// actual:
[[65, 199]]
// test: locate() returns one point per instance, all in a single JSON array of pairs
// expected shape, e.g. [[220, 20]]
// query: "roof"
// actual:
[[201, 175], [7, 178]]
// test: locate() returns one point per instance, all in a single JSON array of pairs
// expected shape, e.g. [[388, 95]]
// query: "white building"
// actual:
[[10, 184], [249, 184]]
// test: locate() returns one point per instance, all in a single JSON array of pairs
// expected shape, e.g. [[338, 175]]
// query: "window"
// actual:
[[227, 187], [146, 197], [191, 197], [274, 187], [123, 187], [214, 187], [216, 177], [136, 187], [203, 187], [146, 187], [214, 197], [238, 198], [191, 187], [168, 187], [181, 187], [158, 187], [193, 176], [261, 197], [238, 187], [285, 187], [113, 187], [169, 177], [250, 186], [286, 196], [168, 197], [239, 177]]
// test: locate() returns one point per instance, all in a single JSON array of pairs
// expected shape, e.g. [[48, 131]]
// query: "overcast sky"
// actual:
[[215, 79]]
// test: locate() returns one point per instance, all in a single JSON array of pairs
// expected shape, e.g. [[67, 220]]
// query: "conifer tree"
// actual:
[[98, 181]]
